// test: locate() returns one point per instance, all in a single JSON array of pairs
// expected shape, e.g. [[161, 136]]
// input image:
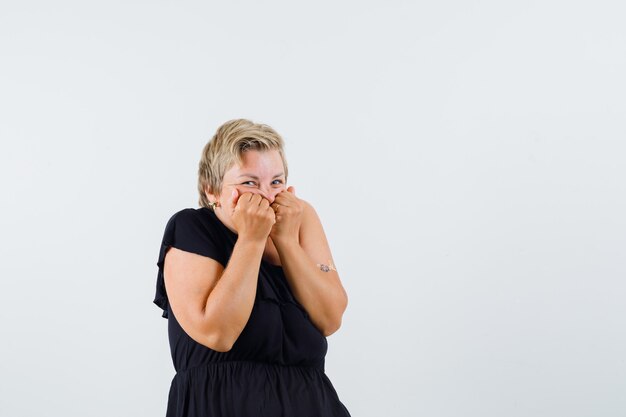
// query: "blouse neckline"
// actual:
[[212, 213]]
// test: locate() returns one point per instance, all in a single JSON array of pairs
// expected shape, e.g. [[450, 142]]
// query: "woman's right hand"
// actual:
[[252, 216]]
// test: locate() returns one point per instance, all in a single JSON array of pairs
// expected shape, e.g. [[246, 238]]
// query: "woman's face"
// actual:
[[262, 173]]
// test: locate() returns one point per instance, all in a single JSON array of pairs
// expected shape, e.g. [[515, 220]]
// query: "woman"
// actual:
[[249, 289]]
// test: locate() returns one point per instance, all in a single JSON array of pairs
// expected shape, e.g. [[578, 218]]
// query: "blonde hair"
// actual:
[[226, 148]]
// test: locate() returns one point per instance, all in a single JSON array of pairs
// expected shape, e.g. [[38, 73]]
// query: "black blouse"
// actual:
[[276, 366]]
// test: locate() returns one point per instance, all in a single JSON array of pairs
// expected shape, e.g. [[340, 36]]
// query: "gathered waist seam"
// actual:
[[211, 364]]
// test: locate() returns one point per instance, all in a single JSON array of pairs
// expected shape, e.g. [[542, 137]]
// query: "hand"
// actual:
[[288, 209], [252, 216]]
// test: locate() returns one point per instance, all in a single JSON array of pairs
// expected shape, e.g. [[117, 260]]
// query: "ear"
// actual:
[[209, 196]]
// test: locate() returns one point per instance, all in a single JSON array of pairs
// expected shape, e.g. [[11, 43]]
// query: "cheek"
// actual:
[[275, 193], [246, 190]]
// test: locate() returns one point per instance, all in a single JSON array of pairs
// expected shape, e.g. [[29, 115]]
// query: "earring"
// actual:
[[213, 205]]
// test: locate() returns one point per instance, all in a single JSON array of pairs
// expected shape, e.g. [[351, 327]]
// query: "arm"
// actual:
[[230, 303], [211, 303], [309, 269]]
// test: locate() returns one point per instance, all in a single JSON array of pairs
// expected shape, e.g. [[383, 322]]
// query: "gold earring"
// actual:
[[213, 205]]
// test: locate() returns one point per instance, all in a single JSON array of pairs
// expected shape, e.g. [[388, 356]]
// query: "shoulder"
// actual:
[[307, 208], [186, 213], [194, 230], [189, 215], [308, 212], [190, 221], [311, 228]]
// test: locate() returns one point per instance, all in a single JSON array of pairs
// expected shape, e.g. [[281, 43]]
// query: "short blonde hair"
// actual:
[[226, 148]]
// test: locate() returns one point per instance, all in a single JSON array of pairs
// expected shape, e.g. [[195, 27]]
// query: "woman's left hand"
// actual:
[[288, 210]]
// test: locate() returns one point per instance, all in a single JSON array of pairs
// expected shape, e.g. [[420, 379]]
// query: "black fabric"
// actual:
[[276, 366]]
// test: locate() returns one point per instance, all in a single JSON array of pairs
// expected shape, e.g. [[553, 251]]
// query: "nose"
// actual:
[[269, 195]]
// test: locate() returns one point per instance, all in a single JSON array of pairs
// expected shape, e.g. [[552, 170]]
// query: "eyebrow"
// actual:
[[256, 178]]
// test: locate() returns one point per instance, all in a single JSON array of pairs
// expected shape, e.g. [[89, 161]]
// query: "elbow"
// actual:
[[219, 340], [219, 344], [335, 323], [219, 336], [331, 328], [224, 347]]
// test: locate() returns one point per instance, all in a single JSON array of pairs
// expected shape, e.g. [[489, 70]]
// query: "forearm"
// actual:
[[319, 292], [230, 303]]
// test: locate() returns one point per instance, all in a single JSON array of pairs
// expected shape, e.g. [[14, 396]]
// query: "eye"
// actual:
[[279, 181]]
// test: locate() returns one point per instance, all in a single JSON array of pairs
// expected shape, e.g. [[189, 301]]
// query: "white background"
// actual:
[[466, 159]]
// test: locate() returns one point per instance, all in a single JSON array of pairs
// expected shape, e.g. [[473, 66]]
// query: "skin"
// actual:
[[296, 240], [264, 165]]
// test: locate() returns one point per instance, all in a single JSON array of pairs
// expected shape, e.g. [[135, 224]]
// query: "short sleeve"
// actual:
[[189, 230]]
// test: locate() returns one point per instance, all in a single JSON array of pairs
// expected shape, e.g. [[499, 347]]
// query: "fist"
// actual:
[[288, 211], [252, 215]]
